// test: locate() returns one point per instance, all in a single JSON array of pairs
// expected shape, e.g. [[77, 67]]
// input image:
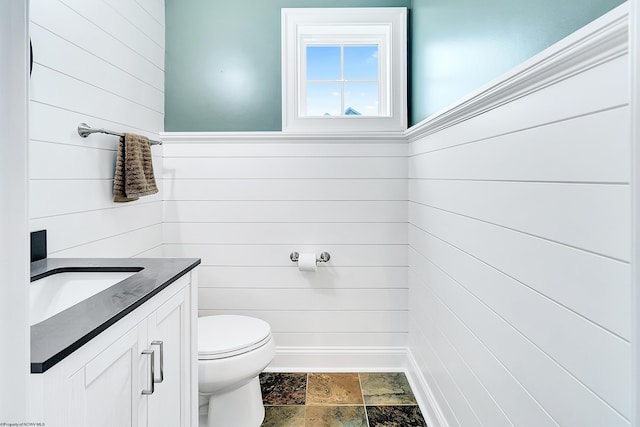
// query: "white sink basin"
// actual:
[[53, 294]]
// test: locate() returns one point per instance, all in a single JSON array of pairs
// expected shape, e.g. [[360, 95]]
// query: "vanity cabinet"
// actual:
[[141, 371]]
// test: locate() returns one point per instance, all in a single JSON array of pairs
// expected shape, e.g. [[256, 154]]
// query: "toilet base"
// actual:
[[241, 407]]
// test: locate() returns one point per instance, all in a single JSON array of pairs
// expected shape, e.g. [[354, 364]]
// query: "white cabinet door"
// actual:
[[105, 391], [168, 336]]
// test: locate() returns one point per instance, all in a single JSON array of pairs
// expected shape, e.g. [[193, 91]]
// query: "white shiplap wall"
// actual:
[[99, 62], [519, 239], [244, 206]]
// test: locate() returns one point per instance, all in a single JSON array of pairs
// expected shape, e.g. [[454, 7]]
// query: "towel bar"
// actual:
[[84, 130]]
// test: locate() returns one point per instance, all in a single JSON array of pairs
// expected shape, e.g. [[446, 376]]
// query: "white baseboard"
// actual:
[[425, 398], [342, 359], [359, 359]]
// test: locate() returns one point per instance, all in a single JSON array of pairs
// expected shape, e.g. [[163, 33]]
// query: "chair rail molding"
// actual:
[[288, 137]]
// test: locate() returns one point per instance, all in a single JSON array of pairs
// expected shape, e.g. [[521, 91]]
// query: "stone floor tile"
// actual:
[[335, 416], [395, 416], [283, 388], [333, 389], [386, 388], [284, 416]]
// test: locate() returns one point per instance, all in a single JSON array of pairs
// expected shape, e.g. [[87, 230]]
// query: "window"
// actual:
[[340, 80], [344, 69]]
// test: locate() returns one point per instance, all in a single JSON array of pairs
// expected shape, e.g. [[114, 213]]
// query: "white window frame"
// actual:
[[384, 27]]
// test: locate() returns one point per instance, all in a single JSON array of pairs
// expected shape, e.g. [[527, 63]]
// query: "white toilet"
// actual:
[[232, 351]]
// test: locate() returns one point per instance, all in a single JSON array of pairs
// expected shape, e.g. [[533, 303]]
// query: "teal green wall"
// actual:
[[460, 45], [222, 70]]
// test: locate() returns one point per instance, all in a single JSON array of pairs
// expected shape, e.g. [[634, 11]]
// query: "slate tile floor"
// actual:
[[339, 400]]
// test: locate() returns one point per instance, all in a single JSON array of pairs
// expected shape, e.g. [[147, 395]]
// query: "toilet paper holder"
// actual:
[[324, 257]]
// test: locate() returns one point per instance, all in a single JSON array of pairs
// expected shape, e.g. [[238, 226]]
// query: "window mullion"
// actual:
[[342, 108]]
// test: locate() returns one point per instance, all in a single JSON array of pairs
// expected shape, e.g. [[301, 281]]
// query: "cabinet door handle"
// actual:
[[161, 344], [151, 372]]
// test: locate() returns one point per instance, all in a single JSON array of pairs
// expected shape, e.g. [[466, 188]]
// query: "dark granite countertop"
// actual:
[[58, 336]]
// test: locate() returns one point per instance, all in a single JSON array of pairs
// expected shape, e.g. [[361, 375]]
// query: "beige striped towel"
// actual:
[[134, 170]]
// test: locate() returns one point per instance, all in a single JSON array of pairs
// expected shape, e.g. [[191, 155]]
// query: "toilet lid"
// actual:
[[228, 335]]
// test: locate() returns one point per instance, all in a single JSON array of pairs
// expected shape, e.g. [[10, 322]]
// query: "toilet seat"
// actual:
[[223, 336]]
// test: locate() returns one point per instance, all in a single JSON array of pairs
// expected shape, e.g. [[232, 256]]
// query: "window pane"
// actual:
[[361, 62], [323, 63], [361, 99], [323, 99]]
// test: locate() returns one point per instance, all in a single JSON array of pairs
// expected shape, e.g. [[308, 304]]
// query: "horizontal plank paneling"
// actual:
[[141, 18], [329, 148], [154, 252], [591, 148], [545, 380], [154, 8], [429, 370], [283, 167], [93, 65], [74, 162], [519, 225], [54, 88], [513, 398], [63, 21], [327, 277], [51, 197], [284, 211], [269, 233], [542, 209], [303, 299], [461, 413], [116, 23], [326, 321], [124, 245], [53, 124], [593, 286], [485, 409], [245, 206], [74, 229], [278, 255], [345, 340], [285, 189], [74, 62], [559, 332]]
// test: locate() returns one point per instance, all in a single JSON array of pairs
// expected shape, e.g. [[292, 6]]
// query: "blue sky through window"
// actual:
[[361, 62], [341, 78], [323, 98], [362, 97], [323, 63]]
